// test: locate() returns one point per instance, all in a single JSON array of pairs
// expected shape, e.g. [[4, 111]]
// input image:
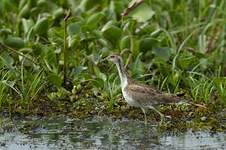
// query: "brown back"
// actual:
[[146, 95]]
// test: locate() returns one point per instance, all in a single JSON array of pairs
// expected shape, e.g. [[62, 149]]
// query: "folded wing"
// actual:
[[146, 95]]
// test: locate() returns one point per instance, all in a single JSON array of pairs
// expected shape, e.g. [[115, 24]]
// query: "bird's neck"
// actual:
[[122, 74]]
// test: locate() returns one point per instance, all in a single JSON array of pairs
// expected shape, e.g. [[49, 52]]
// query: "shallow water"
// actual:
[[64, 133]]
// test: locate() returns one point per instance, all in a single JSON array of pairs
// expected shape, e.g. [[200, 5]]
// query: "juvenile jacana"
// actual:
[[139, 95]]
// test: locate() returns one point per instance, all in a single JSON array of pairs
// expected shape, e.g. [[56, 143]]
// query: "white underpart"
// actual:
[[129, 99], [124, 83]]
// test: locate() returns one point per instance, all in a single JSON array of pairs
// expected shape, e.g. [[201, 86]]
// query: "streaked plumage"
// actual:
[[139, 95]]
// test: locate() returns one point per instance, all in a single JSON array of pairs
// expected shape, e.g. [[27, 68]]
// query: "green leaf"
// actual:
[[73, 28], [163, 53], [41, 27], [5, 31], [94, 19], [125, 42], [58, 13], [112, 33], [27, 24], [25, 11], [147, 44], [99, 74], [138, 67], [15, 42], [142, 13]]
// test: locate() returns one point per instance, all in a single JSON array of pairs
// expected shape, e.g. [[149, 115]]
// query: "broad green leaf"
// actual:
[[112, 33], [15, 42], [147, 44], [94, 19], [58, 13], [73, 28], [125, 42], [142, 13], [138, 67], [5, 31], [163, 52], [41, 27]]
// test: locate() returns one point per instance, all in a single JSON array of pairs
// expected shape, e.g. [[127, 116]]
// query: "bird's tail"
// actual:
[[191, 103], [179, 100]]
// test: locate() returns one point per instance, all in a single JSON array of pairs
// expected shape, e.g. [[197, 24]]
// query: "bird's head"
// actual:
[[116, 59]]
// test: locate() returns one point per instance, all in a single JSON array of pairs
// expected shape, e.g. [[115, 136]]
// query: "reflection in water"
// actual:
[[98, 134]]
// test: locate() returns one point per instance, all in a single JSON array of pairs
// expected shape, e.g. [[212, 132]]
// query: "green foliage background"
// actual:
[[174, 45]]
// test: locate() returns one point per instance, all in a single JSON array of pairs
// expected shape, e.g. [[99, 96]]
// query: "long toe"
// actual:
[[162, 120], [168, 117]]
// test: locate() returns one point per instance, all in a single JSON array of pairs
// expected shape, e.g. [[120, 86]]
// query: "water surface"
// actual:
[[65, 133]]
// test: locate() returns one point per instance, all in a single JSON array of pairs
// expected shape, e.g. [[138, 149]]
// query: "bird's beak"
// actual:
[[104, 59]]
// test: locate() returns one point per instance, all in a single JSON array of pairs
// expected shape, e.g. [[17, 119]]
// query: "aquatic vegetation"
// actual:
[[51, 52]]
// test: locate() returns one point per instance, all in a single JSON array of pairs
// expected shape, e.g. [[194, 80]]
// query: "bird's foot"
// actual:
[[168, 117]]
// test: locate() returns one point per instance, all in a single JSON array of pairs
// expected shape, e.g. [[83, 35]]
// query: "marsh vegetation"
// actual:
[[51, 56]]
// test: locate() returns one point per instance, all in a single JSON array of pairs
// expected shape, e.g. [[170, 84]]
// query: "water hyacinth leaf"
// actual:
[[112, 33], [138, 67], [125, 42], [142, 13], [163, 53], [73, 28], [108, 25], [58, 13], [88, 4], [94, 19], [15, 42], [41, 27], [5, 31], [147, 44]]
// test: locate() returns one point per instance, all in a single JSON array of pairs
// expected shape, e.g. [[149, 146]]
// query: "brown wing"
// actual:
[[149, 96]]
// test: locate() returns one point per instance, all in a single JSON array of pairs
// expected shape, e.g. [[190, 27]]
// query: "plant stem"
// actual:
[[65, 51]]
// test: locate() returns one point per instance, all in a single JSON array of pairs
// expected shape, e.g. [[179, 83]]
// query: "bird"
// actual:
[[141, 95]]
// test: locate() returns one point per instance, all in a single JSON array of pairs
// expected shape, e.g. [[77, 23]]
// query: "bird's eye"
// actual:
[[112, 56]]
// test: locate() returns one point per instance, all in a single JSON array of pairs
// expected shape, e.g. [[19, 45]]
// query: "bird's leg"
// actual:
[[145, 117], [161, 115]]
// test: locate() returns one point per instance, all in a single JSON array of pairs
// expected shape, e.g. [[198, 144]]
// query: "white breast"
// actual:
[[129, 99]]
